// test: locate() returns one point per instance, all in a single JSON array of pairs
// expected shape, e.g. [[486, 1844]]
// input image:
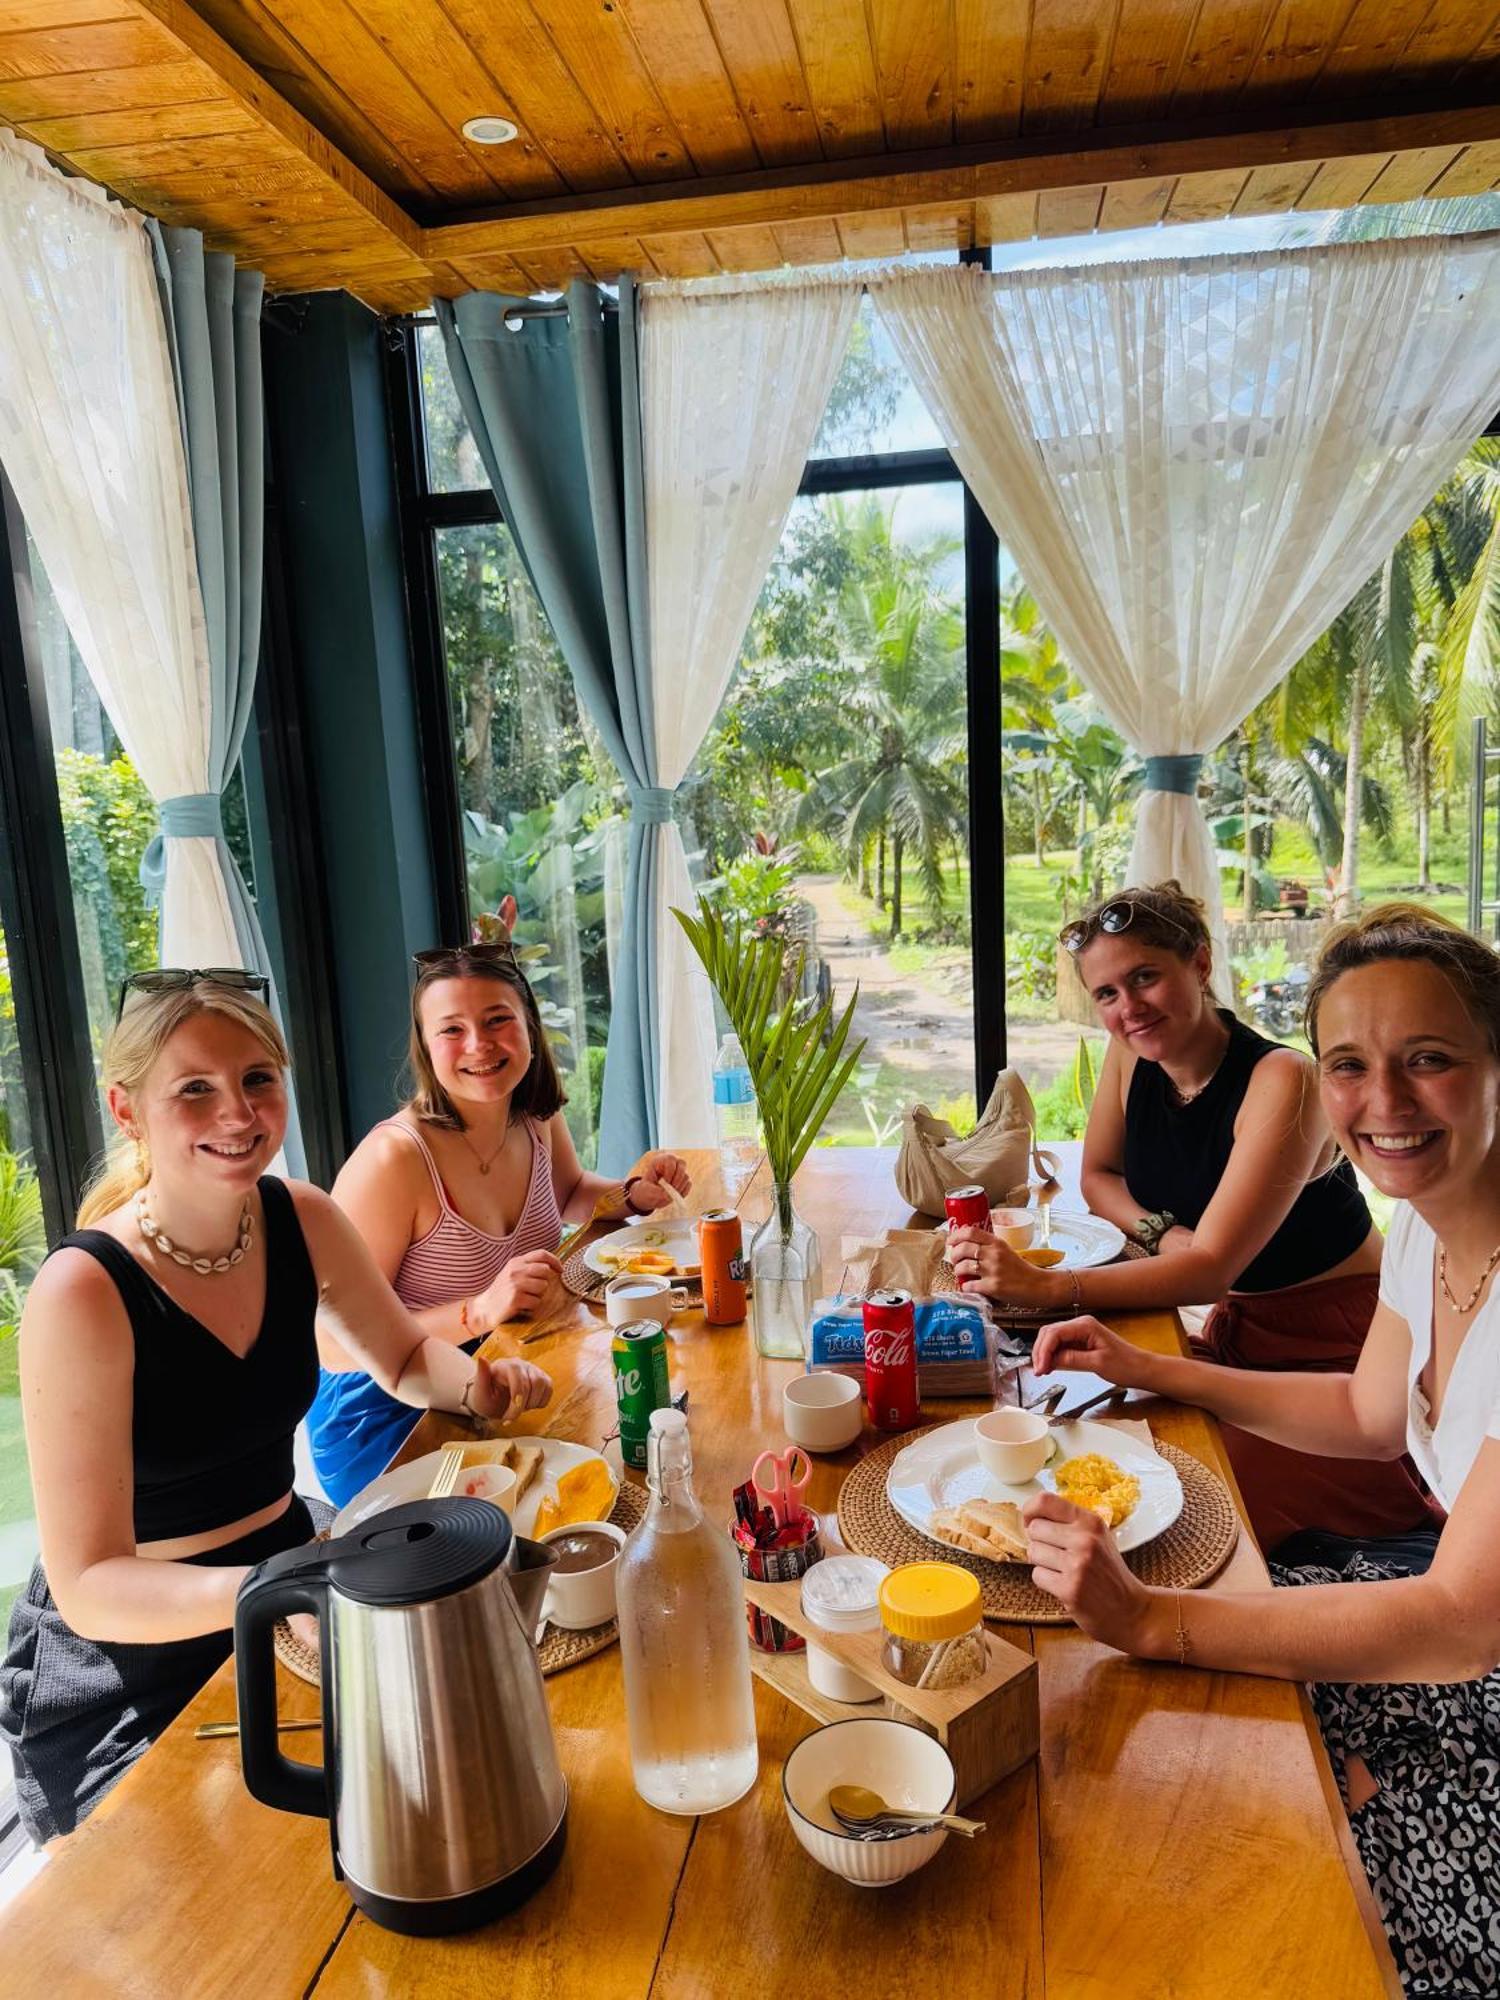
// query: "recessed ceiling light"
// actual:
[[489, 131]]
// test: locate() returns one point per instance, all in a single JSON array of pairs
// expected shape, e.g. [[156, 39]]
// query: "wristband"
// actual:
[[467, 1409], [625, 1200], [1150, 1229]]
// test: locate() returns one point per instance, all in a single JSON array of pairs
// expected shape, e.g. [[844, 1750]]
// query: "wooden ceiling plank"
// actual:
[[148, 160], [1146, 61], [815, 241], [880, 234], [1343, 183], [441, 67], [1005, 218], [605, 261], [1410, 174], [556, 267], [1373, 48], [1066, 63], [745, 249], [765, 67], [1475, 171], [16, 15], [1202, 197], [1275, 190], [930, 229], [989, 62], [181, 82], [205, 120], [1298, 42], [518, 53], [1220, 54], [688, 70], [914, 71], [1429, 51], [689, 256], [838, 61], [1135, 204], [132, 44], [1068, 211], [609, 70], [493, 274]]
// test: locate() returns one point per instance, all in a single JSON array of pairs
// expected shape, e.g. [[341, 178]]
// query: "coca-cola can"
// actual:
[[891, 1360], [968, 1208]]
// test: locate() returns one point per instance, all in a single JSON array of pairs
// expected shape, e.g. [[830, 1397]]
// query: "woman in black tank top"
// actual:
[[161, 1385], [1206, 1143]]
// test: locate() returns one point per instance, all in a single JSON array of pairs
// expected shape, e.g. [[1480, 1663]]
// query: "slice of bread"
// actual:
[[946, 1525], [992, 1528], [526, 1459]]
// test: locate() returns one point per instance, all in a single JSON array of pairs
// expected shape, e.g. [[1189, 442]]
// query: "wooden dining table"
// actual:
[[1179, 1834]]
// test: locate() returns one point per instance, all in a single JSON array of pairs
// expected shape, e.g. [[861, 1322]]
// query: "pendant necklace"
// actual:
[[1469, 1302], [484, 1164]]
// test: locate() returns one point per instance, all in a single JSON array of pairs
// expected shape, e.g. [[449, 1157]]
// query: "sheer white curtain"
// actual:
[[1196, 463], [90, 439], [734, 381]]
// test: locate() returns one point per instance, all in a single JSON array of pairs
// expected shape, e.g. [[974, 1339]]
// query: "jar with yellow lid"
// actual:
[[934, 1627]]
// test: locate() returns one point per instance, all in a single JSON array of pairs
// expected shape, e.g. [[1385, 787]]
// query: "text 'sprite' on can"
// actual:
[[721, 1251], [891, 1360], [639, 1353], [968, 1208]]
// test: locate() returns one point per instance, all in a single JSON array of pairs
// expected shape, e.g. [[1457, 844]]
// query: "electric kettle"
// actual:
[[440, 1780]]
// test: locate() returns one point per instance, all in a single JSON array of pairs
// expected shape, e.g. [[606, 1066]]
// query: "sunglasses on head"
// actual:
[[501, 953], [1112, 919], [175, 978]]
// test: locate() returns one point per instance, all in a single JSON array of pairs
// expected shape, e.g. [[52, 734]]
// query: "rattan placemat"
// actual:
[[558, 1649], [1196, 1546], [585, 1283]]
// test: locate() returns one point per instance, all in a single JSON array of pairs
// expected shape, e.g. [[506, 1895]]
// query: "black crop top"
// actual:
[[212, 1433], [1175, 1156]]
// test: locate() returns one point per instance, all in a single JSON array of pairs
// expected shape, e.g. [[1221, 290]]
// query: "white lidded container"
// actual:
[[841, 1594]]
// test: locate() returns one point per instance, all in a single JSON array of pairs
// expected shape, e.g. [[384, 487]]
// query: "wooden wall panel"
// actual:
[[1475, 171], [812, 242], [1343, 183], [1068, 211], [1005, 218], [1409, 175], [685, 256], [1203, 196], [1135, 204], [880, 233], [754, 249], [1275, 190]]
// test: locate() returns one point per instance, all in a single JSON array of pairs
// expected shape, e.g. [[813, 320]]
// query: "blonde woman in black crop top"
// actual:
[[1208, 1143], [167, 1355]]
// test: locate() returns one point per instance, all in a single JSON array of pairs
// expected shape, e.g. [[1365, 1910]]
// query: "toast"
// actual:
[[991, 1528], [526, 1462]]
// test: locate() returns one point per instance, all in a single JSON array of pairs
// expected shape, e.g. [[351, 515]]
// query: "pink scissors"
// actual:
[[783, 1489]]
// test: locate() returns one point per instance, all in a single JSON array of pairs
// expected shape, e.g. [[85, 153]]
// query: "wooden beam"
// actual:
[[951, 176]]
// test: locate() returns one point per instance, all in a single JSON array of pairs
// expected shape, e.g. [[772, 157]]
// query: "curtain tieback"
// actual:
[[189, 816], [1174, 774], [654, 805]]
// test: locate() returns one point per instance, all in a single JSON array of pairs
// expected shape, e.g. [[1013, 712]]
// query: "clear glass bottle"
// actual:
[[735, 1115], [689, 1707], [786, 1277]]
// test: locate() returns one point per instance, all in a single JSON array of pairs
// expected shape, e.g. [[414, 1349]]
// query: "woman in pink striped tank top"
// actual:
[[463, 1194]]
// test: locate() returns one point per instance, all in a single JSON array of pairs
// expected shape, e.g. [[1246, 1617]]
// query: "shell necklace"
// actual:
[[204, 1266], [1484, 1276]]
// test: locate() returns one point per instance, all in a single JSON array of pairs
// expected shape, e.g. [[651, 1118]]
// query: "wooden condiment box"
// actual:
[[988, 1726]]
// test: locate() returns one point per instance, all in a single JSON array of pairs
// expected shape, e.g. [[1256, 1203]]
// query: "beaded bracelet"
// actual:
[[1184, 1645]]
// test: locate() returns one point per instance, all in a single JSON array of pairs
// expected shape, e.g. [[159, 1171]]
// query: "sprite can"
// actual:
[[639, 1352]]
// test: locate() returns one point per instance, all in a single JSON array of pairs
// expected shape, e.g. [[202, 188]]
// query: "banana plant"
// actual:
[[799, 1057]]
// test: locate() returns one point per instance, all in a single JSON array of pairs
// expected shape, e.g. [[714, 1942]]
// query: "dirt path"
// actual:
[[922, 1023]]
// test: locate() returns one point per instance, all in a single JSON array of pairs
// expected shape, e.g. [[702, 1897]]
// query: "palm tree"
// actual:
[[1103, 774], [1033, 679], [901, 777]]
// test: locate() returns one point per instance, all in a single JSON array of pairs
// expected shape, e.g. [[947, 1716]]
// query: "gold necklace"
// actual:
[[1469, 1302], [157, 1237], [484, 1164]]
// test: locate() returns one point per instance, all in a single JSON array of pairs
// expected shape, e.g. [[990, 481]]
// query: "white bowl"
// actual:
[[822, 1412], [906, 1767]]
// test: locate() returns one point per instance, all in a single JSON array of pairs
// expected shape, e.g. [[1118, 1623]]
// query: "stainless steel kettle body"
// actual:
[[446, 1802]]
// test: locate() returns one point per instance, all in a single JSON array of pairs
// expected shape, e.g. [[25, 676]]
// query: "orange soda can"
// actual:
[[721, 1251]]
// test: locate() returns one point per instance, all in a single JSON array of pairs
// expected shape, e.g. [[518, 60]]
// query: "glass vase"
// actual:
[[786, 1274]]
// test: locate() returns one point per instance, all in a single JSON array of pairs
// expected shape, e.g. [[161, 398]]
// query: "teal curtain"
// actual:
[[554, 405], [211, 309]]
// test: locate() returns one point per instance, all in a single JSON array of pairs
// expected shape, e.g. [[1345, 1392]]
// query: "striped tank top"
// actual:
[[354, 1427]]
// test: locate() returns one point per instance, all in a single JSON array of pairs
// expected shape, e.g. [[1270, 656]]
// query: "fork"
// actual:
[[450, 1465]]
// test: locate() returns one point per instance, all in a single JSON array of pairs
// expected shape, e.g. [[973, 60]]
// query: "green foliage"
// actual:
[[796, 1055], [1058, 1112], [1031, 965], [109, 818], [23, 1237], [757, 889], [1085, 1076]]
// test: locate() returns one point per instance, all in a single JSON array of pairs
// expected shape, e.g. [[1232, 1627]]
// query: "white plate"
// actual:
[[411, 1481], [942, 1469], [1083, 1239], [680, 1238]]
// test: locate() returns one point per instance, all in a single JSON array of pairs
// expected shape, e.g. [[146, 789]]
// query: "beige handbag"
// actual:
[[997, 1154]]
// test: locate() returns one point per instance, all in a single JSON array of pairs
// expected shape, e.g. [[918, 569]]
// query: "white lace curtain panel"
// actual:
[[1196, 463], [733, 386], [90, 439]]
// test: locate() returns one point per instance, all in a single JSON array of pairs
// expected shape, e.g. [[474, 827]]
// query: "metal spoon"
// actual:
[[866, 1813]]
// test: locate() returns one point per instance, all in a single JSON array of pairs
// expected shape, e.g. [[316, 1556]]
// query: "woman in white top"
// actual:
[[1402, 1639]]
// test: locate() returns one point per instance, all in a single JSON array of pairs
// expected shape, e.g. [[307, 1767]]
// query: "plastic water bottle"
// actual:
[[689, 1708], [734, 1113]]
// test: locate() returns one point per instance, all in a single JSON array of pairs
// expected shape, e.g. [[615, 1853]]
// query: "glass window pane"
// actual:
[[873, 405], [831, 797], [542, 819], [453, 461]]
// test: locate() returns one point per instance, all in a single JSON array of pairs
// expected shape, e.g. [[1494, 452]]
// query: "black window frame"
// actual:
[[423, 512]]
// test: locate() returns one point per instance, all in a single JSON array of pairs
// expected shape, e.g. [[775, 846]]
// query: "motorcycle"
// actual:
[[1277, 1006]]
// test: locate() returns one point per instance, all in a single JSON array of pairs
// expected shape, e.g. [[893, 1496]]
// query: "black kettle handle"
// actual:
[[267, 1594]]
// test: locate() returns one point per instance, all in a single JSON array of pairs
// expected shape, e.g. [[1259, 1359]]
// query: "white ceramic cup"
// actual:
[[636, 1295], [1014, 1226], [1013, 1445], [579, 1599], [822, 1412]]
